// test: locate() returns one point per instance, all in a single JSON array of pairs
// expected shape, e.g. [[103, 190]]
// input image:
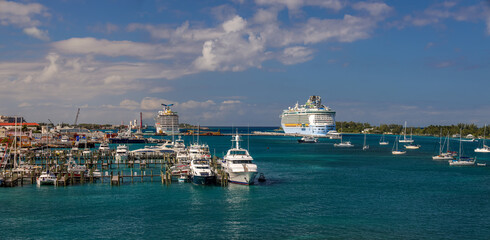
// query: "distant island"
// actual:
[[431, 130]]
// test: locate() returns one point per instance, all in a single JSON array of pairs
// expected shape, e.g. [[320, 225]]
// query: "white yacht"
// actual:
[[342, 143], [179, 145], [461, 161], [46, 178], [443, 155], [122, 153], [199, 151], [307, 139], [412, 146], [104, 147], [200, 172], [395, 150], [484, 148], [74, 168], [382, 141], [405, 139], [237, 163], [365, 146]]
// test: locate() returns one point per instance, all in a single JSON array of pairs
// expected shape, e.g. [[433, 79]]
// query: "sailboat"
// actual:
[[382, 141], [394, 150], [484, 148], [405, 139], [364, 146], [342, 143], [461, 161], [443, 155]]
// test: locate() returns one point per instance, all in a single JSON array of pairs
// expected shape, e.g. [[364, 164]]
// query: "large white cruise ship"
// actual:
[[313, 118], [167, 121]]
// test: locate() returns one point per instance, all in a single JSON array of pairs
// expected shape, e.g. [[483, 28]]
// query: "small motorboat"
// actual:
[[182, 178], [307, 139]]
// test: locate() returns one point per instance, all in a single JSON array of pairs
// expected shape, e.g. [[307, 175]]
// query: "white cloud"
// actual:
[[234, 25], [20, 14], [37, 33], [373, 8], [436, 15], [294, 55], [129, 104], [23, 15], [119, 48], [294, 5], [232, 52]]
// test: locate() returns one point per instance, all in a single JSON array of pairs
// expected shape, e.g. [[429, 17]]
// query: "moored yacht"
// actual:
[[382, 141], [238, 164], [412, 146], [46, 178], [122, 153], [444, 155], [200, 172], [484, 148], [395, 150], [104, 146], [461, 161], [405, 139]]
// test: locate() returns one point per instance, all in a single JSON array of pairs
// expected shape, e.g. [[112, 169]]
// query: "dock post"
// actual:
[[151, 175], [161, 176], [131, 175], [111, 178]]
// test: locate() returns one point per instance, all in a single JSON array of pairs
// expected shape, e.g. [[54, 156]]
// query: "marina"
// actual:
[[299, 177]]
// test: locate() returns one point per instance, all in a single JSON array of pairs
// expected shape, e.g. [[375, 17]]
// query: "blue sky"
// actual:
[[240, 62]]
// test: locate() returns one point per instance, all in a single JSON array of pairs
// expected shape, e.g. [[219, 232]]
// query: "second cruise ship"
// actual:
[[167, 121], [312, 118]]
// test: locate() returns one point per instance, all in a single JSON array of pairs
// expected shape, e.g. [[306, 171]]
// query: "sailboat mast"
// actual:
[[460, 133], [440, 142]]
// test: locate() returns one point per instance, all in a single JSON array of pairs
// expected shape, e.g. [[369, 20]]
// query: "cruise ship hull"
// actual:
[[313, 130]]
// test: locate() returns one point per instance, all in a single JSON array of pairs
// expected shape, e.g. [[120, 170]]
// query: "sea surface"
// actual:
[[313, 191]]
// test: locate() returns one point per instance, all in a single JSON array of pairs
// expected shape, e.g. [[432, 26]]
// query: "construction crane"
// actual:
[[76, 119]]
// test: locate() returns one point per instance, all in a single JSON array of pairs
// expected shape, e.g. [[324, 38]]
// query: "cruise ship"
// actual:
[[312, 118], [167, 121]]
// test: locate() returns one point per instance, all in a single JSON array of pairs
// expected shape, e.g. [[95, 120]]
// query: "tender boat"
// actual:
[[200, 171], [46, 178], [182, 178], [238, 164], [308, 139]]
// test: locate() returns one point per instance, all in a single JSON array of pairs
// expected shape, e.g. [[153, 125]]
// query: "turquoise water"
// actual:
[[314, 191]]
